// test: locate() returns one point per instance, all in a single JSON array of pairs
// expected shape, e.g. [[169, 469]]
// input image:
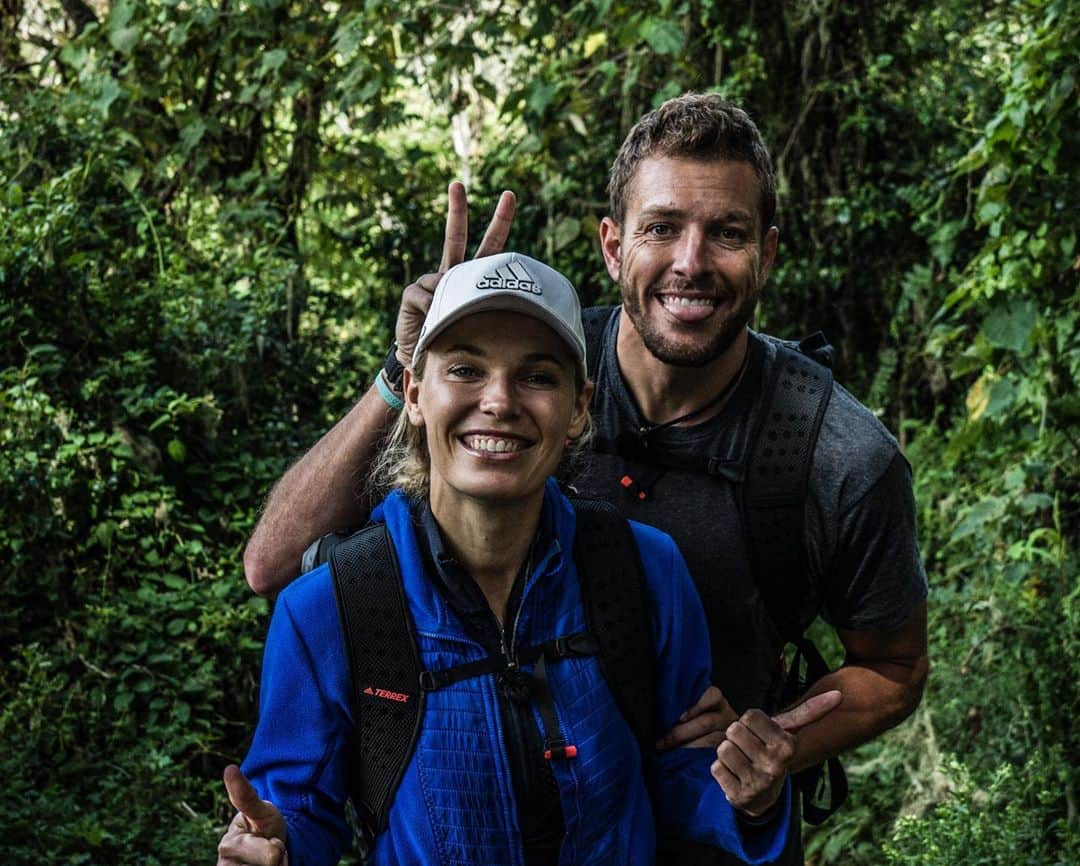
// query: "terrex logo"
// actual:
[[387, 695], [509, 277]]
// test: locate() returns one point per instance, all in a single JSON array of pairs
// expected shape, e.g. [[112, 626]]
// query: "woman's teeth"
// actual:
[[498, 446]]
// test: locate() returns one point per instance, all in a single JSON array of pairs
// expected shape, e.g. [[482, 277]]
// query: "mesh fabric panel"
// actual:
[[384, 665], [775, 490]]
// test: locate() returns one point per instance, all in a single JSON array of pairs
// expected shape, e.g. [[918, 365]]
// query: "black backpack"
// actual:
[[389, 683], [772, 499]]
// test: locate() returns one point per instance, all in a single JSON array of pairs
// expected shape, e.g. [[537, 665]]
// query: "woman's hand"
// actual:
[[416, 298], [753, 761], [256, 836]]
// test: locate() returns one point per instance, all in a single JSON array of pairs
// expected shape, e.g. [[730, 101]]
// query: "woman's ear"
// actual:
[[580, 417], [410, 386]]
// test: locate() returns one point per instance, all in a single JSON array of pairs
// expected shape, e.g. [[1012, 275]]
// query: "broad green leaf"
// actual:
[[1010, 327], [1003, 394], [979, 515], [75, 54], [1033, 502], [120, 14], [110, 90], [272, 61], [540, 96], [124, 39], [192, 134], [989, 210], [664, 37]]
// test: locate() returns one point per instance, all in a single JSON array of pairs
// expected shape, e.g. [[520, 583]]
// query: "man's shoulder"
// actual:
[[855, 427]]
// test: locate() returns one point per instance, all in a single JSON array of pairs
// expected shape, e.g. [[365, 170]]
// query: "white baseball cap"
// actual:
[[508, 281]]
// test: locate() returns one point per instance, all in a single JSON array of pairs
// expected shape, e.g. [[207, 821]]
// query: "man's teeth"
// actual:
[[498, 446], [679, 301]]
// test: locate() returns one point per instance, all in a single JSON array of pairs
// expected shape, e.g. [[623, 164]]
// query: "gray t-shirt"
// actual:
[[864, 563]]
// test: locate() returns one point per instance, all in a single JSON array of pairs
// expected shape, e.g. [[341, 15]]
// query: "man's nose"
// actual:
[[691, 254]]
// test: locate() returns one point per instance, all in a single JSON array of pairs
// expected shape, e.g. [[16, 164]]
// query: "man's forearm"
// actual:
[[321, 492], [877, 696]]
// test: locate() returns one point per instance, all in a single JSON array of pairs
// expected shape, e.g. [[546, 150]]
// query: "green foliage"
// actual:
[[1009, 821], [207, 212]]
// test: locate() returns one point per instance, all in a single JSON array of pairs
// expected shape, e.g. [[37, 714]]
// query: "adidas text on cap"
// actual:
[[512, 282]]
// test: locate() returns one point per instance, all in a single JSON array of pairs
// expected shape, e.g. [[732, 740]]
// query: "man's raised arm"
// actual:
[[324, 490]]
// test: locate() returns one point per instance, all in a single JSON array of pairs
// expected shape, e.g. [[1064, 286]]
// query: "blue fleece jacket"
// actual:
[[455, 804]]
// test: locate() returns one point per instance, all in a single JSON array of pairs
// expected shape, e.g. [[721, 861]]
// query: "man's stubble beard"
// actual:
[[679, 355]]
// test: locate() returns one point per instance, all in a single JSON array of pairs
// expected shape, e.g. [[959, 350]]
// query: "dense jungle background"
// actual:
[[208, 210]]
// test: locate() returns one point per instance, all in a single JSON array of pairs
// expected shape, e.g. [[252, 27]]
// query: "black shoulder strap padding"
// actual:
[[777, 479], [594, 320], [617, 610], [385, 667]]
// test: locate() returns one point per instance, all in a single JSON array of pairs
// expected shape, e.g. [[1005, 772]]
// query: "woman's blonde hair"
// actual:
[[403, 460]]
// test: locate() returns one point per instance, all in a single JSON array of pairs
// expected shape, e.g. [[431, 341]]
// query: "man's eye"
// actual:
[[660, 230], [732, 236]]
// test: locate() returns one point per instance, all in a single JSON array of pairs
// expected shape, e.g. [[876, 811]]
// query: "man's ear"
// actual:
[[410, 386], [611, 246], [768, 254]]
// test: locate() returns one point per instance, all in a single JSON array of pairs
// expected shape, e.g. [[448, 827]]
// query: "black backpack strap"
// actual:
[[617, 610], [777, 480], [384, 664]]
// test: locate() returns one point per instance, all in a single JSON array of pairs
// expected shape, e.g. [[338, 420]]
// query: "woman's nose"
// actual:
[[498, 397]]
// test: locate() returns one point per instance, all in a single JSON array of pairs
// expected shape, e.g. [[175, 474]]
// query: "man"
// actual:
[[690, 241]]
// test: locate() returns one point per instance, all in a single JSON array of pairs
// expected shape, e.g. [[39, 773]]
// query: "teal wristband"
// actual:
[[387, 393]]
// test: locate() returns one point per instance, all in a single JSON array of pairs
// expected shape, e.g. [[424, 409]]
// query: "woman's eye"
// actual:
[[541, 379], [463, 371]]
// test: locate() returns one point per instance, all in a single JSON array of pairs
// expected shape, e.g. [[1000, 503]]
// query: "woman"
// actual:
[[496, 393]]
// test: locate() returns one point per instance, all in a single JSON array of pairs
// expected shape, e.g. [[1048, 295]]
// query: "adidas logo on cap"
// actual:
[[510, 276]]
